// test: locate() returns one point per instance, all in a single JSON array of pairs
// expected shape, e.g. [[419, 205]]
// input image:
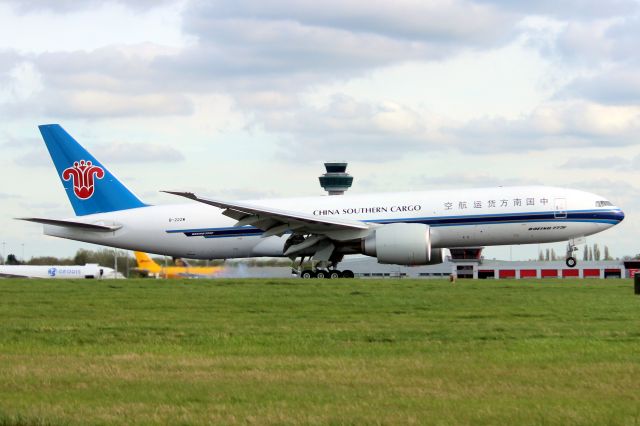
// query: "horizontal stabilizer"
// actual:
[[72, 224]]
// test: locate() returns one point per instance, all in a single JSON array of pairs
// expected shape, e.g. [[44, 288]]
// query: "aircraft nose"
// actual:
[[619, 214]]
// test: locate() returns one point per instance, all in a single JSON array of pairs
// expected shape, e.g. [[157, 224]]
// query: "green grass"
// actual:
[[318, 352]]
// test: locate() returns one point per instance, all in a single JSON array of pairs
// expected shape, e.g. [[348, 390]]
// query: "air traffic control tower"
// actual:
[[336, 181]]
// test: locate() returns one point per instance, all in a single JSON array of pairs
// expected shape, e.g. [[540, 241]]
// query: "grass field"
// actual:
[[317, 352]]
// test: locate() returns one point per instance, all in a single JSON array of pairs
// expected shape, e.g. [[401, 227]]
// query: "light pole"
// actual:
[[115, 262], [166, 265], [22, 252], [4, 258]]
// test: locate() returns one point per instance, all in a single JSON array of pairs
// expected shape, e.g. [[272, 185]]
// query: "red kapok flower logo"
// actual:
[[83, 173]]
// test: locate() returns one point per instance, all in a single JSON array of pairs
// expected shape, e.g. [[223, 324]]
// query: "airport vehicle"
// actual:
[[90, 270], [181, 270], [408, 228]]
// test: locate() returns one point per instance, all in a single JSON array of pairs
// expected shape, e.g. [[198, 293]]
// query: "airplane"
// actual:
[[90, 270], [407, 228], [147, 264]]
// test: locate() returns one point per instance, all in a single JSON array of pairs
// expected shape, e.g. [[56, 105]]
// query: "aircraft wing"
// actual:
[[277, 222]]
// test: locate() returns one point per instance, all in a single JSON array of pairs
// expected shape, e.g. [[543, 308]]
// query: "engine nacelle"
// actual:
[[402, 244]]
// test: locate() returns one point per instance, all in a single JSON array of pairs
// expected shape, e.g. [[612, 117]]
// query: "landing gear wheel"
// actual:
[[347, 274], [307, 273], [571, 262], [335, 274], [322, 274]]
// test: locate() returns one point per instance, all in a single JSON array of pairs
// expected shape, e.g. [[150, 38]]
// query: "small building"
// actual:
[[492, 269], [552, 269], [632, 267]]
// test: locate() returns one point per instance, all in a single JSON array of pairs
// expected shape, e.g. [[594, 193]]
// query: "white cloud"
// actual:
[[439, 21], [274, 51], [66, 105], [66, 6], [567, 9], [607, 164], [619, 192], [386, 131], [8, 59], [599, 57], [279, 48], [25, 81], [618, 86], [348, 129], [5, 196], [466, 179], [67, 25], [268, 100], [597, 163], [555, 124], [130, 69], [107, 104]]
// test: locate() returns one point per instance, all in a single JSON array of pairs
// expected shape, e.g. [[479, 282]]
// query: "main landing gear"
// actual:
[[326, 273], [571, 260], [322, 270]]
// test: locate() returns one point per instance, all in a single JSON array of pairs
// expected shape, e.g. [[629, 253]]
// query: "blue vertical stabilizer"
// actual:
[[90, 186]]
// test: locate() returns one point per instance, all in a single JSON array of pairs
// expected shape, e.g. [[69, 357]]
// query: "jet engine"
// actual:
[[402, 244]]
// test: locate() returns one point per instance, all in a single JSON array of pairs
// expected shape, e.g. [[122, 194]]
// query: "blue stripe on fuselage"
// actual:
[[595, 216]]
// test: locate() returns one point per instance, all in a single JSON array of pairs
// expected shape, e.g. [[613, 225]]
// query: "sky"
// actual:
[[246, 99]]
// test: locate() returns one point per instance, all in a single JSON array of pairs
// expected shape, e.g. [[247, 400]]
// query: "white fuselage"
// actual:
[[458, 218], [58, 271]]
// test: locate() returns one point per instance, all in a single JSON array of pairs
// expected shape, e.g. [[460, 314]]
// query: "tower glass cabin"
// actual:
[[336, 181]]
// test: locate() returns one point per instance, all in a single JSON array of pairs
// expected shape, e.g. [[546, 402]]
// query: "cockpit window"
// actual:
[[603, 203]]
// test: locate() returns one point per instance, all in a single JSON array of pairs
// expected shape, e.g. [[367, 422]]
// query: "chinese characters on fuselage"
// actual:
[[491, 204]]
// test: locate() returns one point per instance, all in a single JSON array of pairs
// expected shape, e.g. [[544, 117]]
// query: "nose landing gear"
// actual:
[[571, 260]]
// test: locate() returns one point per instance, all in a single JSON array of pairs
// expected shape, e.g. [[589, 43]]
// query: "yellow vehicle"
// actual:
[[182, 270]]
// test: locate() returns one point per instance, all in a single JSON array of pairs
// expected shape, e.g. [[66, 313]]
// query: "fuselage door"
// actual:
[[560, 209]]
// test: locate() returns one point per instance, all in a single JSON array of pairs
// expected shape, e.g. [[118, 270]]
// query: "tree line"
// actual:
[[590, 253], [126, 262]]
